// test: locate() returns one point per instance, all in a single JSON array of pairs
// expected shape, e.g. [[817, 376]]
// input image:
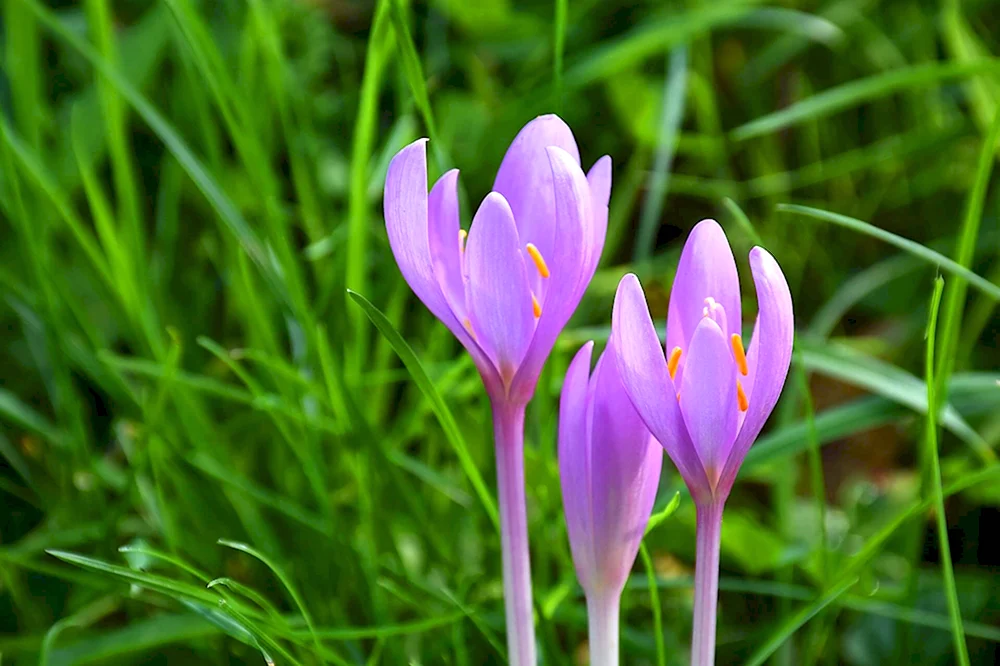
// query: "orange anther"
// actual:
[[536, 306], [741, 397], [674, 361], [741, 357], [536, 256], [468, 327]]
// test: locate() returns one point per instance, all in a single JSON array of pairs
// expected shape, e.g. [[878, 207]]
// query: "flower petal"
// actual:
[[706, 269], [769, 356], [405, 207], [625, 463], [445, 244], [568, 263], [574, 464], [525, 179], [498, 296], [643, 371], [708, 396], [599, 179]]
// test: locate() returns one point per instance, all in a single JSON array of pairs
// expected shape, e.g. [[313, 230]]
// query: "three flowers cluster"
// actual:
[[508, 287]]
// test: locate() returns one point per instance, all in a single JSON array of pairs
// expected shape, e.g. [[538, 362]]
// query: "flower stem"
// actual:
[[602, 638], [706, 583], [508, 428]]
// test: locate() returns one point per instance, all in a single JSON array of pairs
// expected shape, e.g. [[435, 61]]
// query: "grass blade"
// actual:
[[447, 420], [931, 443], [861, 90], [930, 256]]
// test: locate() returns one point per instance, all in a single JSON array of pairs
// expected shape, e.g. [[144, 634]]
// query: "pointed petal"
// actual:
[[708, 396], [498, 296], [405, 207], [643, 370], [769, 356], [445, 244], [567, 263], [599, 179], [525, 179], [625, 472], [407, 225], [706, 269], [574, 464]]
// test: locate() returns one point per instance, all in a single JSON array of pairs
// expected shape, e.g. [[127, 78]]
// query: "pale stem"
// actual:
[[508, 428], [706, 583], [602, 618]]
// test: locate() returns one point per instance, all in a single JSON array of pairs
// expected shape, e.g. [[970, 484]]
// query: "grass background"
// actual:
[[210, 452]]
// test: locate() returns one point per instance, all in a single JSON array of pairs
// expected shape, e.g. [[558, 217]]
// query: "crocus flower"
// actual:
[[609, 468], [706, 399], [505, 290]]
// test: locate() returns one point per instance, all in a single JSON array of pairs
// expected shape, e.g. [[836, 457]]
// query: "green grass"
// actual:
[[230, 433]]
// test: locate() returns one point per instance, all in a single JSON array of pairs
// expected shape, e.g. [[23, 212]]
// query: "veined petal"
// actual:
[[769, 356], [708, 396], [574, 463], [643, 371], [599, 179], [625, 472], [706, 269], [525, 179], [567, 263], [405, 207], [498, 297], [445, 243]]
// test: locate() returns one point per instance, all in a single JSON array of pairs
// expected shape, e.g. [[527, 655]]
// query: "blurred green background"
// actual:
[[210, 454]]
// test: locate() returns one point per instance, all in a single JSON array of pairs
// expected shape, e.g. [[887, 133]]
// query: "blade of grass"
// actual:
[[362, 148], [858, 91], [934, 258], [285, 581], [671, 117], [955, 290], [445, 417], [654, 603], [797, 621], [931, 444]]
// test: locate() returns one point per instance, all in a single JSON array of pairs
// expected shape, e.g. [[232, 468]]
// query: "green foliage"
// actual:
[[229, 433]]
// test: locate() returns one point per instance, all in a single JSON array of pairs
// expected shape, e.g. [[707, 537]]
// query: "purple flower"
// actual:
[[507, 289], [609, 468], [706, 400]]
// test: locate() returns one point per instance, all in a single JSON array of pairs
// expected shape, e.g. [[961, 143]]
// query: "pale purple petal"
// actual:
[[525, 179], [405, 207], [445, 244], [706, 269], [406, 221], [644, 374], [498, 296], [708, 396], [770, 355], [599, 179], [625, 472], [567, 264], [574, 463]]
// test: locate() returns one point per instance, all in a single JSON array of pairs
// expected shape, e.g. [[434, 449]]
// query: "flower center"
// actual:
[[717, 313]]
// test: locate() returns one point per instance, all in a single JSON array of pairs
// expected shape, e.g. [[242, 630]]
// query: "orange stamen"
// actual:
[[741, 397], [536, 256], [741, 357], [468, 326], [536, 306], [674, 361]]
